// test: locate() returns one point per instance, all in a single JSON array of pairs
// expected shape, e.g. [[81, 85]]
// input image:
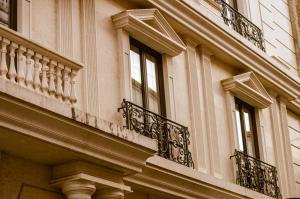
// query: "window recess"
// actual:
[[8, 13], [245, 95]]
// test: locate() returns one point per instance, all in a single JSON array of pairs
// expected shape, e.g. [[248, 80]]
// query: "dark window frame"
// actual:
[[143, 50], [11, 12], [245, 106]]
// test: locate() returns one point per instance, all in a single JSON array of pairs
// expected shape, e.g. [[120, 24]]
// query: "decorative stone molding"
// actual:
[[79, 180], [248, 88], [151, 28], [78, 189], [110, 194]]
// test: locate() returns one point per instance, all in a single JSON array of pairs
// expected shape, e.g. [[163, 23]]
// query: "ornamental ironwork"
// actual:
[[173, 138], [241, 24], [256, 175]]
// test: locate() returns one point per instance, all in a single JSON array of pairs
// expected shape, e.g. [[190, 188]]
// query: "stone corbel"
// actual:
[[82, 180], [75, 189]]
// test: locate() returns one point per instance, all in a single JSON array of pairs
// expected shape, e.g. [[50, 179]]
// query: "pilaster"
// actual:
[[124, 64], [289, 169], [200, 146], [92, 99], [210, 115], [169, 85], [278, 145], [65, 25], [24, 18]]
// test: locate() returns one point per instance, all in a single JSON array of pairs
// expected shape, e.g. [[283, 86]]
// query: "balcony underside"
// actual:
[[38, 134]]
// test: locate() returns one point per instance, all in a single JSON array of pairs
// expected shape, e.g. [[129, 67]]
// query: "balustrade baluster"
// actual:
[[73, 97], [66, 79], [59, 88], [29, 68], [21, 66], [12, 73], [24, 63], [45, 86], [37, 69], [3, 64], [52, 66]]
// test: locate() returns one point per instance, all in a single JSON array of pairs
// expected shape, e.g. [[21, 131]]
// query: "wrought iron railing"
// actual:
[[241, 24], [173, 138], [256, 175]]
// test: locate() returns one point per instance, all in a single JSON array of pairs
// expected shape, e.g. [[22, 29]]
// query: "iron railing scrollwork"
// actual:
[[173, 138], [241, 24], [256, 175]]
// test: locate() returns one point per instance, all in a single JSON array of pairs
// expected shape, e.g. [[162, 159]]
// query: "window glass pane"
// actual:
[[153, 94], [136, 77], [249, 135], [4, 12], [239, 130], [247, 122]]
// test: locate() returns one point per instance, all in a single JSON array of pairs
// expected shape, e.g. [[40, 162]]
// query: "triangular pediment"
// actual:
[[151, 28], [247, 87]]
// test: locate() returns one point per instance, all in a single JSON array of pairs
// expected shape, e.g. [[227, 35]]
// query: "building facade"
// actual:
[[149, 99]]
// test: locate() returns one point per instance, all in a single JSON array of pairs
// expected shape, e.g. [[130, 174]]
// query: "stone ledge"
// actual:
[[113, 129], [35, 98], [167, 177]]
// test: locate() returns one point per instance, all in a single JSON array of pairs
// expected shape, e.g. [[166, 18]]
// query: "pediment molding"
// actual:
[[151, 28], [248, 88]]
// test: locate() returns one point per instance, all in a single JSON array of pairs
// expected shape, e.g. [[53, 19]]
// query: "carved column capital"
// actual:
[[78, 189], [110, 194]]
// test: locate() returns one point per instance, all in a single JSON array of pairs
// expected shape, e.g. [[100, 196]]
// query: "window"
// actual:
[[246, 128], [8, 13], [146, 77]]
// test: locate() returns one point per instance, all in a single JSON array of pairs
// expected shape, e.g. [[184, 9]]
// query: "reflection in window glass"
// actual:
[[135, 66], [153, 96], [239, 130], [151, 77], [136, 79], [4, 12], [247, 122]]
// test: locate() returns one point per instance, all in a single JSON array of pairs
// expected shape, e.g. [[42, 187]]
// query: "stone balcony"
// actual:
[[34, 73]]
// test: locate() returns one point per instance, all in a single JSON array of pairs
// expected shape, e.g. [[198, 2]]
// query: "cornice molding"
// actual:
[[151, 28], [247, 87]]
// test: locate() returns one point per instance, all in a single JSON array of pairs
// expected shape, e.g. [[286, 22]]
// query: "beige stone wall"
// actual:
[[294, 131], [298, 12], [24, 179], [273, 18], [107, 75], [99, 85], [222, 71], [44, 23]]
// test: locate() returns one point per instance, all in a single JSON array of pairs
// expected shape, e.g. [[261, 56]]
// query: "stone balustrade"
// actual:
[[35, 67]]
